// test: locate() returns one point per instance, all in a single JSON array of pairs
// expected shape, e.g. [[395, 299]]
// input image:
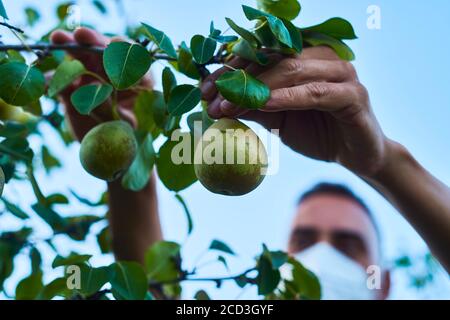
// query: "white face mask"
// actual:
[[340, 277]]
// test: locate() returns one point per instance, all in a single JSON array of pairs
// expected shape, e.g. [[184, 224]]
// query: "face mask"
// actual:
[[340, 277]]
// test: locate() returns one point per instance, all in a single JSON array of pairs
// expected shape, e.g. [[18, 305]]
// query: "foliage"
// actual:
[[22, 89]]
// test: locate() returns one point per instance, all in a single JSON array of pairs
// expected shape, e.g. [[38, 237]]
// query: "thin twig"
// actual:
[[5, 24], [186, 277]]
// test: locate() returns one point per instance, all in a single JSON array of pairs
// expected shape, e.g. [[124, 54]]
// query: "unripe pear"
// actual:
[[237, 166], [108, 150]]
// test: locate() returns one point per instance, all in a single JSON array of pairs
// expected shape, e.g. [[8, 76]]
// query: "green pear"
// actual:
[[233, 158], [108, 150]]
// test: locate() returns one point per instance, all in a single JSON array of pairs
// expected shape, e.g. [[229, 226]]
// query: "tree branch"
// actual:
[[186, 277], [51, 47]]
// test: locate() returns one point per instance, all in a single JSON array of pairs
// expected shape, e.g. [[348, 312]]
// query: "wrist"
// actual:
[[396, 159]]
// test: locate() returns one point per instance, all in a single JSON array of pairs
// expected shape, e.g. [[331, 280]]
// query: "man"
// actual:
[[334, 234], [323, 112]]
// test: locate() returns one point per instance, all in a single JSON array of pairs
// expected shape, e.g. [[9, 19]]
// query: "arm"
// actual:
[[324, 112], [134, 220], [422, 199], [133, 216]]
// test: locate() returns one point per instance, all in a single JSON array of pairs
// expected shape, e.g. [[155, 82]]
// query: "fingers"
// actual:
[[83, 36], [322, 96], [319, 53], [61, 37], [294, 71], [90, 37]]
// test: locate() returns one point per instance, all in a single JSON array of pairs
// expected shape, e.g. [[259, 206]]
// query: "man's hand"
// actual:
[[93, 62], [320, 107]]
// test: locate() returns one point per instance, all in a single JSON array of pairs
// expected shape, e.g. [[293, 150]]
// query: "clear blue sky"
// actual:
[[406, 69]]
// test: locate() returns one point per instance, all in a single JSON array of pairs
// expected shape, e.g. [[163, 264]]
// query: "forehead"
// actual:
[[327, 212]]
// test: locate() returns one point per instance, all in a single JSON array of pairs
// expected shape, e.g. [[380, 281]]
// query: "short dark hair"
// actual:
[[339, 190]]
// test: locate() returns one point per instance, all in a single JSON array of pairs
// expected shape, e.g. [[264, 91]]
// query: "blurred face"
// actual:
[[338, 221]]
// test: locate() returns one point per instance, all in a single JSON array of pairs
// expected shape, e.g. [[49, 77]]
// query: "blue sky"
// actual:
[[406, 69]]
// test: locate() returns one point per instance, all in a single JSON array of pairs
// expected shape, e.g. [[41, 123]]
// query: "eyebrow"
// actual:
[[301, 230], [350, 234], [338, 232]]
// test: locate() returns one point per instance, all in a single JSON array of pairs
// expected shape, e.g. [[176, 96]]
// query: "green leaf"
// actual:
[[129, 280], [72, 259], [66, 73], [12, 129], [15, 210], [201, 295], [48, 160], [6, 262], [162, 261], [2, 10], [296, 36], [278, 258], [186, 63], [125, 64], [213, 32], [403, 262], [201, 116], [52, 218], [175, 177], [161, 40], [337, 28], [104, 240], [78, 227], [29, 287], [32, 15], [221, 246], [150, 111], [244, 33], [92, 279], [20, 84], [86, 98], [243, 90], [187, 212], [307, 284], [17, 148], [169, 82], [242, 281], [63, 10], [36, 260], [268, 278], [139, 173], [276, 24], [101, 202], [183, 99], [318, 39], [51, 61], [53, 289], [286, 9], [202, 48], [56, 198], [100, 6], [223, 261], [245, 50]]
